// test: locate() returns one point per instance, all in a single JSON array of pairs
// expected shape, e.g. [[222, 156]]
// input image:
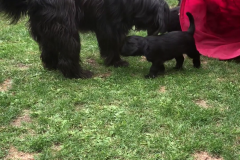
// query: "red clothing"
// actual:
[[217, 24]]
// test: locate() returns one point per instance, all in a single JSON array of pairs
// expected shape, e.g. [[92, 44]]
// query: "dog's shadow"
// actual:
[[140, 68]]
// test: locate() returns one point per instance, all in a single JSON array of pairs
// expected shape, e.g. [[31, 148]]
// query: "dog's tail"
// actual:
[[14, 9], [191, 28]]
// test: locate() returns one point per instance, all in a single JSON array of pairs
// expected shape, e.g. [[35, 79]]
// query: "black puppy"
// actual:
[[159, 49]]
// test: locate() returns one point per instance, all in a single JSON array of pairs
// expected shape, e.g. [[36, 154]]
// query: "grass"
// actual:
[[117, 114]]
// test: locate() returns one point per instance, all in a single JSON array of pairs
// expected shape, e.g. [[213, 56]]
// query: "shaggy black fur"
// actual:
[[54, 25], [174, 22], [159, 49]]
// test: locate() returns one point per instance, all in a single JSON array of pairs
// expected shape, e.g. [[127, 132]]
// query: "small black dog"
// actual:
[[159, 49]]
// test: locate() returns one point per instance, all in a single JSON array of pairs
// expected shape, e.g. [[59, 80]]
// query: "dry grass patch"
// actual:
[[6, 85], [24, 118], [204, 61], [92, 62], [202, 103], [104, 75], [204, 64], [22, 67], [143, 59], [205, 156], [220, 79], [14, 154], [56, 147], [162, 89]]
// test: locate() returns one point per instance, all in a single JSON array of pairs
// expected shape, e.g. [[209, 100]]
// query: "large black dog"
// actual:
[[54, 25], [159, 49], [174, 22]]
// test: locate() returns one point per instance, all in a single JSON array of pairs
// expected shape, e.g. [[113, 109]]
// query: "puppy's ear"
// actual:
[[162, 17]]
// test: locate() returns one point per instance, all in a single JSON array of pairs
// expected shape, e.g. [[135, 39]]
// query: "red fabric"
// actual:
[[217, 24]]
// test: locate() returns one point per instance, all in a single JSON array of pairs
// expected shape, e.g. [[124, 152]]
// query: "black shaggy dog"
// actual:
[[174, 22], [54, 25], [159, 49]]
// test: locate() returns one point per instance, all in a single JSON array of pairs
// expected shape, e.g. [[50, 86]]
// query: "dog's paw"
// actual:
[[85, 74], [121, 63], [178, 67], [49, 66], [197, 65]]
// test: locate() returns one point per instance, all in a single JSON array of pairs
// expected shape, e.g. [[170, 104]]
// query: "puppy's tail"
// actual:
[[191, 28], [14, 9]]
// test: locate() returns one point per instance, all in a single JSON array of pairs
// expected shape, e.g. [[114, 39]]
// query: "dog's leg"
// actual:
[[49, 53], [109, 46], [195, 55], [179, 62], [196, 60], [55, 30], [49, 57], [155, 69], [69, 57]]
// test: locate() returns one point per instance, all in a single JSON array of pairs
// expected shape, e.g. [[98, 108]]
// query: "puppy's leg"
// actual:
[[196, 60], [155, 69], [109, 45], [195, 55], [179, 62]]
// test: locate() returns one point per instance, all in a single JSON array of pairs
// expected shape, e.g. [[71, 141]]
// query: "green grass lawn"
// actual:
[[117, 114]]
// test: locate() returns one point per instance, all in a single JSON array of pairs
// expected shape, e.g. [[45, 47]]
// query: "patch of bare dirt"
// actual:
[[143, 59], [237, 142], [220, 79], [104, 75], [6, 85], [204, 64], [205, 156], [22, 67], [24, 118], [14, 154], [56, 147], [202, 104], [162, 89], [92, 62]]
